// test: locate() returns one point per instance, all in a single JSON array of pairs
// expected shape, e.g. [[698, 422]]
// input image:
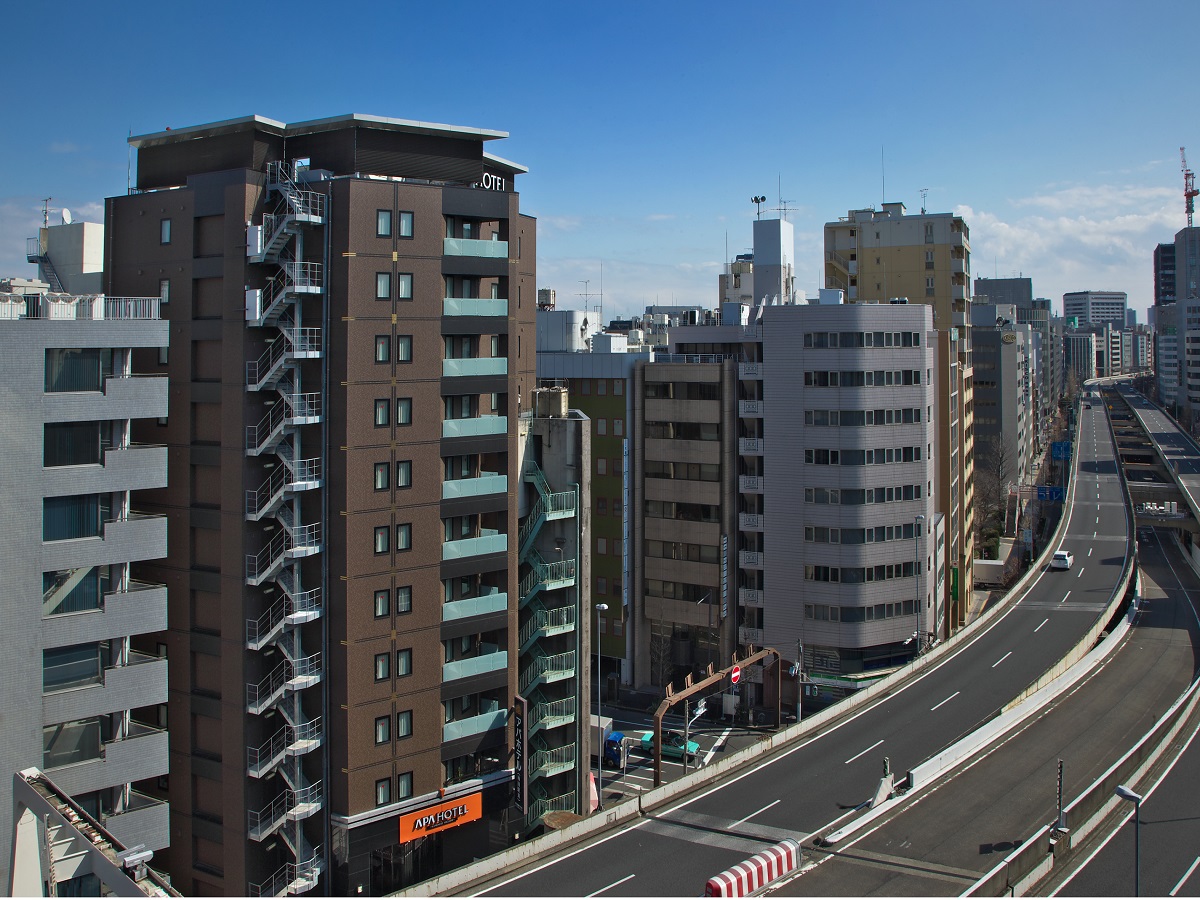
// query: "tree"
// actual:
[[992, 474]]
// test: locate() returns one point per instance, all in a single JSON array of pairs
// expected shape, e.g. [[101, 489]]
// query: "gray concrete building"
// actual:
[[83, 681]]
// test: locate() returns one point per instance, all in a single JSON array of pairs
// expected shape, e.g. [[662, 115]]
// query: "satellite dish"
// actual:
[[66, 216]]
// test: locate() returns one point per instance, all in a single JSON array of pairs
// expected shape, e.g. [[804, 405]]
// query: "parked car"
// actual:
[[1063, 559], [672, 745]]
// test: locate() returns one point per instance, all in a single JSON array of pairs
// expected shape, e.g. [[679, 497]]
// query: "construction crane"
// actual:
[[1189, 186]]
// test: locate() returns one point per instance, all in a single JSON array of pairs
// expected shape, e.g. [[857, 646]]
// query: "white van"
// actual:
[[1062, 559]]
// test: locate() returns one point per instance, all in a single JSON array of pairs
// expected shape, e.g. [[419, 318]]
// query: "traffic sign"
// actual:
[[736, 675]]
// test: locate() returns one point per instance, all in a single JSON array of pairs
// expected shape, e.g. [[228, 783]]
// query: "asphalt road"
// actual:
[[810, 785], [958, 829]]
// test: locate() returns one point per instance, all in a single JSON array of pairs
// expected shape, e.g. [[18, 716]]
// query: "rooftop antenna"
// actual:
[[46, 211], [600, 309], [783, 209], [1189, 187], [758, 201], [129, 163], [586, 295], [924, 194], [883, 175]]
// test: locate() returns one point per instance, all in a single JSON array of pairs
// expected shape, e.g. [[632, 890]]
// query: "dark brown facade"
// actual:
[[375, 281]]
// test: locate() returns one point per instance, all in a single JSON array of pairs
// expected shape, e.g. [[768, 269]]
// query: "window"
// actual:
[[404, 286], [381, 476], [618, 387], [602, 506], [382, 666], [383, 729], [164, 289], [404, 346], [383, 285], [404, 411], [404, 473], [381, 539], [403, 600], [618, 424], [383, 792], [602, 425], [404, 786], [406, 224], [601, 585], [601, 546], [403, 724], [383, 223], [601, 465], [382, 604], [164, 231], [382, 410], [403, 537], [383, 348], [403, 663]]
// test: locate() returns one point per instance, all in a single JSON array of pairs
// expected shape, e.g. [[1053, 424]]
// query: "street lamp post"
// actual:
[[600, 608], [1136, 799], [917, 520], [799, 676]]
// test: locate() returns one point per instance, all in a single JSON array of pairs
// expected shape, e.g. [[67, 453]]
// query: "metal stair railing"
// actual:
[[262, 565], [529, 528], [544, 666], [261, 437], [558, 504], [544, 622], [551, 714], [543, 760]]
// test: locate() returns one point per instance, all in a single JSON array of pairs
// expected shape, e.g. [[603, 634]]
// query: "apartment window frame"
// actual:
[[381, 542], [404, 724], [404, 349], [404, 662], [383, 349], [383, 730], [383, 285], [382, 603], [383, 413], [383, 792], [383, 476], [405, 225], [383, 223], [403, 411], [404, 537], [164, 231], [404, 785], [404, 599], [403, 474], [381, 667], [403, 285]]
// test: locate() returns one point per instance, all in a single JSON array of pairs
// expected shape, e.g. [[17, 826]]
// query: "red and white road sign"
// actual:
[[736, 675]]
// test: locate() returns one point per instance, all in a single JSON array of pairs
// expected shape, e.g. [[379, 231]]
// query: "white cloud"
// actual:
[[65, 147]]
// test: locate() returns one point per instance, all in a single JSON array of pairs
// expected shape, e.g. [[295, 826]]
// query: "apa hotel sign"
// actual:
[[433, 819]]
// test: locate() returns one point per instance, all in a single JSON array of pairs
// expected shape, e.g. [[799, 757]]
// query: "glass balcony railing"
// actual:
[[474, 306], [474, 606], [480, 425], [493, 661], [476, 546], [474, 725], [472, 247], [486, 483], [491, 365]]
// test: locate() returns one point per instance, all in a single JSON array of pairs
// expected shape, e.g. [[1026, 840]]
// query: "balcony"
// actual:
[[487, 365], [474, 306], [140, 755], [123, 397], [144, 820], [551, 714], [751, 484], [482, 485], [130, 468], [547, 763], [140, 609], [474, 606], [474, 725], [751, 371], [752, 409], [548, 669], [471, 247], [476, 427], [477, 546], [750, 636], [135, 537], [751, 559], [748, 597], [546, 623], [489, 660], [142, 682], [751, 522], [752, 446]]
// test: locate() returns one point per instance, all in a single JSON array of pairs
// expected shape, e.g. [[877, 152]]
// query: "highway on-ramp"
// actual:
[[804, 788]]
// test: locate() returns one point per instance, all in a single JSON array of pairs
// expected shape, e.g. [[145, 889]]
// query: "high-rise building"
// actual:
[[1079, 355], [1164, 274], [83, 681], [875, 255], [1097, 307], [1005, 376], [352, 310]]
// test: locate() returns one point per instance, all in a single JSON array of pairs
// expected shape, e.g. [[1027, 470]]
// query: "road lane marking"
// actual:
[[1089, 551], [752, 815], [944, 702], [713, 749], [1039, 628], [613, 885], [1002, 659], [857, 755], [1186, 876], [1065, 596], [1094, 534]]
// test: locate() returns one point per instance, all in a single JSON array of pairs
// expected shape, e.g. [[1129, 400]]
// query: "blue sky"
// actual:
[[1054, 128]]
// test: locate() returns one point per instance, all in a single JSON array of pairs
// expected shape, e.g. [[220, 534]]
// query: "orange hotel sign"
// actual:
[[433, 819]]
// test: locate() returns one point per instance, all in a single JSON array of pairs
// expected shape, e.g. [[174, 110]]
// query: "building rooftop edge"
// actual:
[[243, 123]]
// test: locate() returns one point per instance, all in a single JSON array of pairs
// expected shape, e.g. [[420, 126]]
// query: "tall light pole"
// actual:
[[917, 520], [1126, 794], [600, 608]]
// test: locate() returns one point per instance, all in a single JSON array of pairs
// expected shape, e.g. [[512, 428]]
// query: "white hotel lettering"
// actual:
[[492, 182]]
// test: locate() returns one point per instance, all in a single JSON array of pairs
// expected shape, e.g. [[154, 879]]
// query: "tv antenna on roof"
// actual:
[[924, 194], [46, 210], [783, 209], [758, 201]]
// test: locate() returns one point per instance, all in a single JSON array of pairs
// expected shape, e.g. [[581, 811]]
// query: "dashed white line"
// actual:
[[1080, 575], [857, 755], [944, 702], [1065, 596], [1039, 628], [606, 887], [1002, 659], [1186, 876], [753, 814], [1089, 551]]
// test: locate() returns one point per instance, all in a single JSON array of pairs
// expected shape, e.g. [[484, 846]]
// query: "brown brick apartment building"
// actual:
[[351, 305]]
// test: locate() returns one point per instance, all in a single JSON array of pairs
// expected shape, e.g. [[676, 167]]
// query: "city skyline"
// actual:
[[646, 133]]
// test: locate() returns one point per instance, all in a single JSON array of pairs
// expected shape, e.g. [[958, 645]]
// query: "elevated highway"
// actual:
[[807, 786]]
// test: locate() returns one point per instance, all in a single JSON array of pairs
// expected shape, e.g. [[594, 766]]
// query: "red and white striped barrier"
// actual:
[[756, 872]]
